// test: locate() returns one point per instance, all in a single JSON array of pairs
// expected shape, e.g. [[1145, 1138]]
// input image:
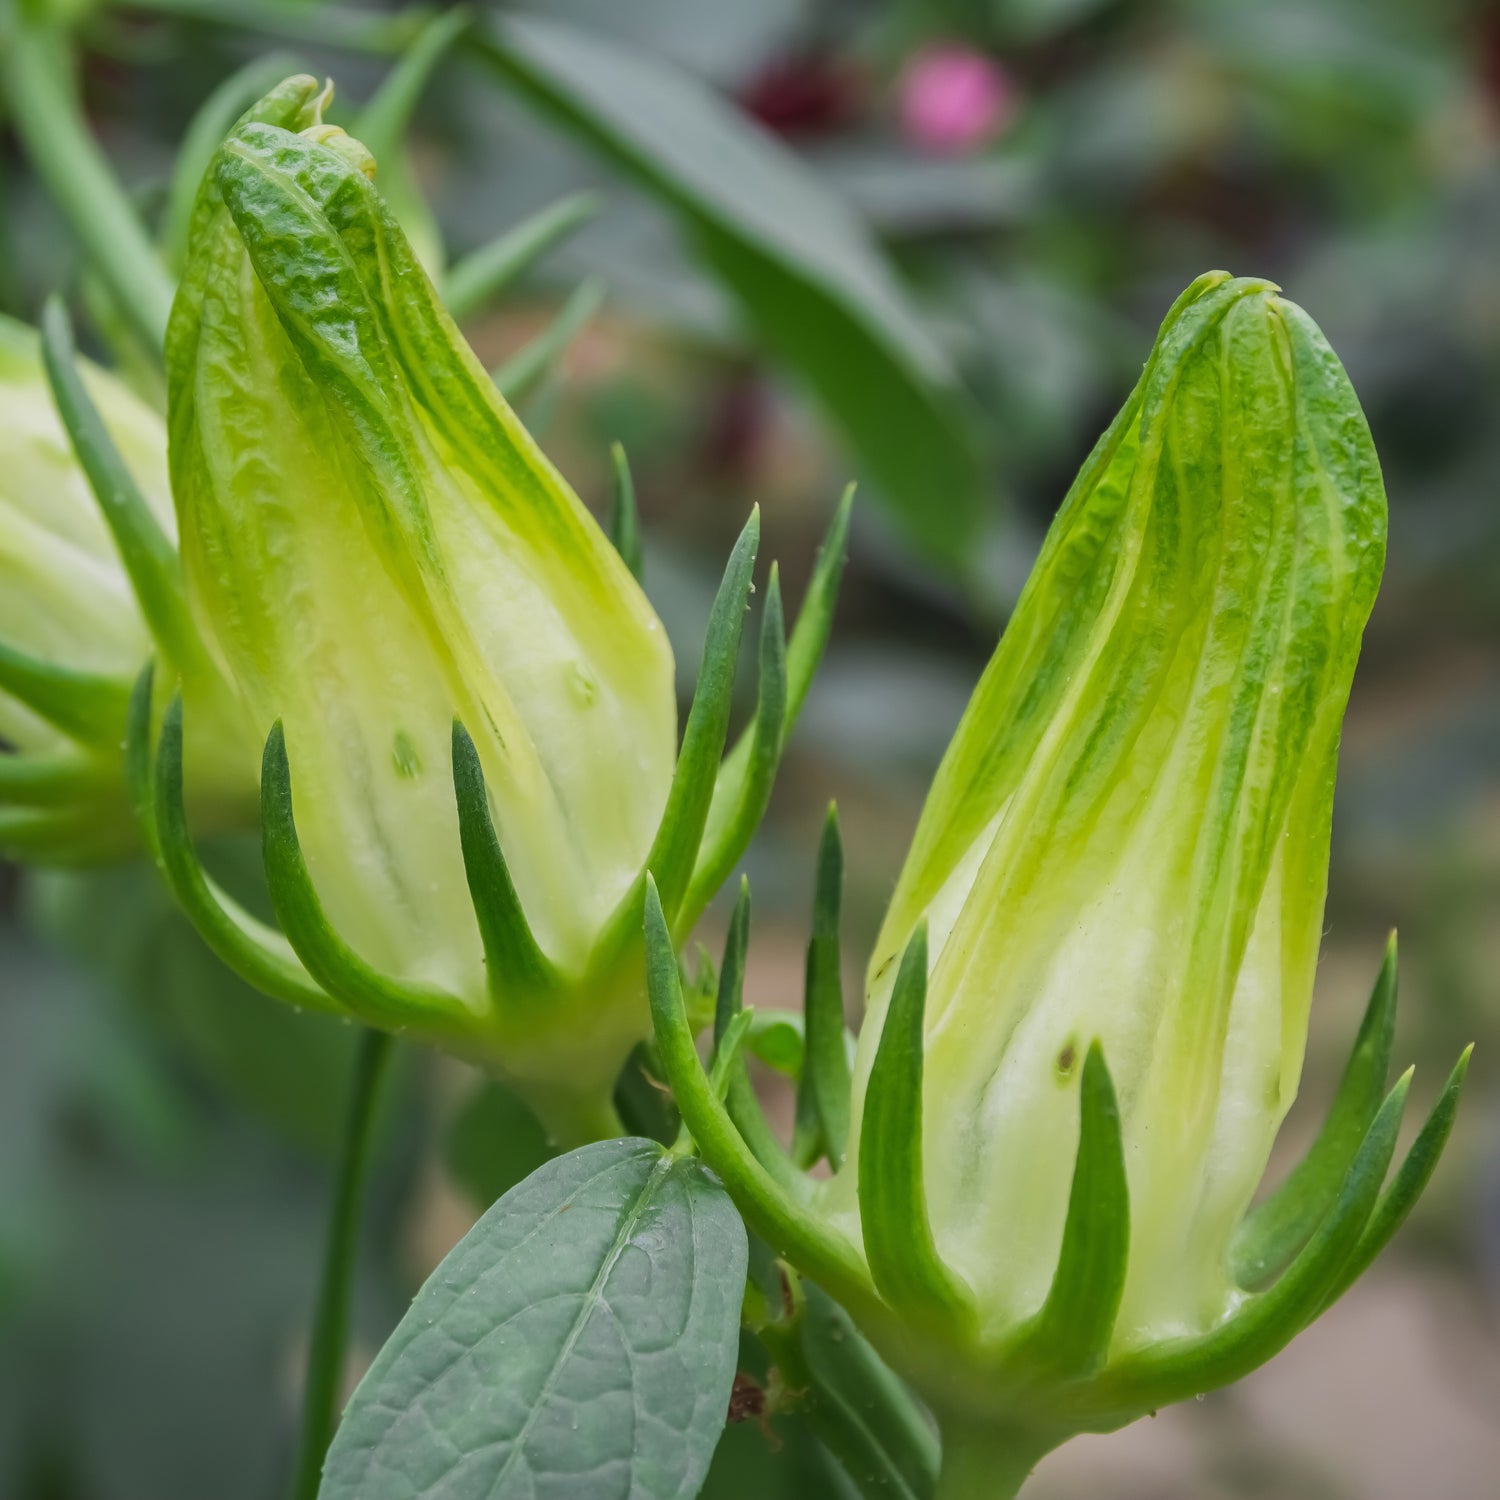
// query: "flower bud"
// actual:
[[1088, 1004], [72, 635], [1127, 841], [467, 700]]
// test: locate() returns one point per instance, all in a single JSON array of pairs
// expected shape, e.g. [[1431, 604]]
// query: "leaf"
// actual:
[[580, 1341], [804, 268]]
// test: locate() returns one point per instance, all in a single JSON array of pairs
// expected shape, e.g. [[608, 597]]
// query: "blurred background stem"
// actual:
[[35, 73], [330, 1330]]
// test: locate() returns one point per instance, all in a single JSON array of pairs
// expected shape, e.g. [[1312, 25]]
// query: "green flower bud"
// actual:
[[1088, 1004], [1127, 840], [72, 635], [467, 701]]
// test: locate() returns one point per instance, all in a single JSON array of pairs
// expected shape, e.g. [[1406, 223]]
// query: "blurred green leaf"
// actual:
[[804, 268]]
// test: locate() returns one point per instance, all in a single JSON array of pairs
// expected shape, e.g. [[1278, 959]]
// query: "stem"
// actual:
[[44, 107], [986, 1463], [325, 1358]]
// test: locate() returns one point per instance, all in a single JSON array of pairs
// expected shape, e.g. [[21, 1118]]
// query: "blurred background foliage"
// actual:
[[939, 277]]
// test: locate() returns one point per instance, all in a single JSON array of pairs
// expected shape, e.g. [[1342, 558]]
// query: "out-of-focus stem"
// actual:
[[330, 1332], [44, 108]]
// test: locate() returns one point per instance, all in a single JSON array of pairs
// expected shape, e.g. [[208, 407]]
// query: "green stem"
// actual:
[[34, 72], [325, 1358], [986, 1462]]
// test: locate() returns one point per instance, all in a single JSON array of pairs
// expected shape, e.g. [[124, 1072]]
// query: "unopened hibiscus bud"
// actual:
[[72, 636], [1088, 1004], [466, 700]]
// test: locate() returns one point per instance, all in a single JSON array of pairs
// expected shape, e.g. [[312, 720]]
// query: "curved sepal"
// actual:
[[818, 1250], [530, 365], [804, 650], [904, 1261], [328, 959], [824, 1087], [487, 272], [516, 967], [257, 953], [680, 833], [1269, 1320], [1071, 1334], [84, 706], [148, 555], [1277, 1229], [739, 1096], [1410, 1181], [732, 824], [624, 522]]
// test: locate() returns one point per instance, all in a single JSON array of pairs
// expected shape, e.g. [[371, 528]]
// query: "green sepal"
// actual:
[[71, 836], [516, 967], [739, 1095], [680, 833], [823, 1253], [908, 1271], [1277, 1229], [823, 1090], [530, 365], [42, 781], [84, 706], [1409, 1183], [1269, 1320], [256, 952], [1070, 1336], [140, 764], [804, 651], [624, 522], [328, 959], [731, 826], [487, 272], [728, 1062], [148, 555]]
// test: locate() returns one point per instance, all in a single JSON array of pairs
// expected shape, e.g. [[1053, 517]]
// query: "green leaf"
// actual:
[[580, 1341], [805, 270]]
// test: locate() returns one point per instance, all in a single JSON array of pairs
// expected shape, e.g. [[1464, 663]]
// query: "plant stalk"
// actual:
[[44, 108], [986, 1462], [330, 1330]]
